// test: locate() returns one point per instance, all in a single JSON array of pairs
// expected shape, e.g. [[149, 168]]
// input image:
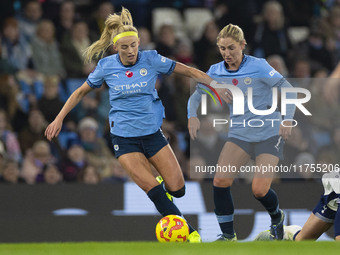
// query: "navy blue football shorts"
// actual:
[[323, 211], [149, 145], [273, 146]]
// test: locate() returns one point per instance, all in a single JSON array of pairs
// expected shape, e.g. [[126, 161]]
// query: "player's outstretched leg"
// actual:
[[265, 195], [166, 207], [161, 181], [276, 228], [231, 155], [194, 236], [271, 204], [224, 210], [337, 223], [167, 165]]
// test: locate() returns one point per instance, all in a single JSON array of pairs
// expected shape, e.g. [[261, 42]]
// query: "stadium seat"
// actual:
[[168, 16], [195, 21], [298, 34]]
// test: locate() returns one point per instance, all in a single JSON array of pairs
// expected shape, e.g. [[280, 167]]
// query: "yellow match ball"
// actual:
[[172, 228]]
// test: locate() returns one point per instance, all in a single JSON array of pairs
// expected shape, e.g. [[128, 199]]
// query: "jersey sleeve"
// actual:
[[274, 79], [96, 78], [161, 64], [270, 75]]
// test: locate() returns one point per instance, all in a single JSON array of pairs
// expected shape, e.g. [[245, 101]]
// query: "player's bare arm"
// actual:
[[54, 128], [202, 77]]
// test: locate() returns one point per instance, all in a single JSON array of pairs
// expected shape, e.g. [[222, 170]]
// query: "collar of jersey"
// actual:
[[120, 62], [242, 63]]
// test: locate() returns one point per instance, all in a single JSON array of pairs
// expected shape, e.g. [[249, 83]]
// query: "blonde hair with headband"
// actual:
[[124, 34], [116, 27]]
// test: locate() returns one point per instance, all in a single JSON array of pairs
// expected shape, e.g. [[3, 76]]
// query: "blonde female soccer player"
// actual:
[[136, 112], [263, 143]]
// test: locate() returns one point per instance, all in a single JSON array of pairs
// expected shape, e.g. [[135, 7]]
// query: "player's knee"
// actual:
[[222, 182], [259, 192], [178, 193]]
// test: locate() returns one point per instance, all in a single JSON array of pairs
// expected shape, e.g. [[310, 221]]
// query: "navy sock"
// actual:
[[337, 222], [163, 204], [224, 210], [271, 203]]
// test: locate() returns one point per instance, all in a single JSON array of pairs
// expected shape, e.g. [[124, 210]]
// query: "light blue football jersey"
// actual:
[[261, 77], [136, 109]]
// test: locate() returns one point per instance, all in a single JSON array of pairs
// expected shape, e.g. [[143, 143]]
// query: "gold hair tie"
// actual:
[[124, 34]]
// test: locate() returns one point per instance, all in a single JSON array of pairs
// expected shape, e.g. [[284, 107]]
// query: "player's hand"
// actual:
[[193, 126], [53, 129], [225, 94], [286, 132]]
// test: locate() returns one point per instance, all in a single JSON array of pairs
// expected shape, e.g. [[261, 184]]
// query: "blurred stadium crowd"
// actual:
[[41, 63]]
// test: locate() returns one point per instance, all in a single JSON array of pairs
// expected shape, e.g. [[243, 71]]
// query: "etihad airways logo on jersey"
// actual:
[[130, 86]]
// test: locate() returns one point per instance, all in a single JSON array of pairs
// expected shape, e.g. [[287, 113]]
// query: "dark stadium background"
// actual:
[[27, 211]]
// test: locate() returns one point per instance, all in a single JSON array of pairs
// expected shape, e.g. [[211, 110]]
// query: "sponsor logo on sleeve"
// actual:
[[272, 72]]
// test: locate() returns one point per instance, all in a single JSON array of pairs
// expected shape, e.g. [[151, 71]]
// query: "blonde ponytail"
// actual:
[[114, 25]]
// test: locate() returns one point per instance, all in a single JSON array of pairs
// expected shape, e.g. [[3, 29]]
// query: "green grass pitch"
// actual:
[[148, 248]]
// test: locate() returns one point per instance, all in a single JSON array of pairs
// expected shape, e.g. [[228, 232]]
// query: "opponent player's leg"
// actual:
[[138, 168], [265, 195], [167, 165], [337, 222], [319, 221], [231, 155], [312, 229]]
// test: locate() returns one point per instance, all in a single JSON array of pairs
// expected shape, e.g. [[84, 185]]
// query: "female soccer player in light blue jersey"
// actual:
[[136, 112], [264, 143]]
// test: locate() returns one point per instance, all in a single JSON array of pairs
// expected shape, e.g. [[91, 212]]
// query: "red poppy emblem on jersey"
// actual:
[[129, 74], [235, 82]]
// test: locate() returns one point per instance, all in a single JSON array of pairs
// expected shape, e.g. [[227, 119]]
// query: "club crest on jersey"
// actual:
[[116, 147], [247, 81], [143, 72], [129, 74]]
